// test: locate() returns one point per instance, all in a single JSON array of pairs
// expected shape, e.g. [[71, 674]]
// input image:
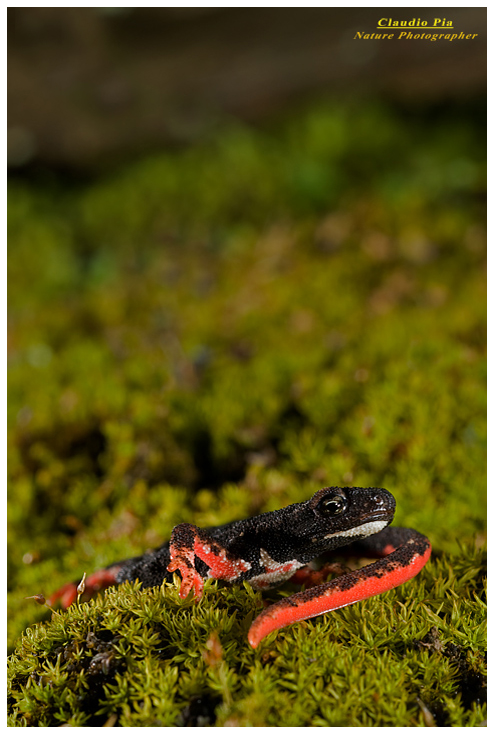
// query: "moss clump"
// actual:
[[143, 657], [221, 331]]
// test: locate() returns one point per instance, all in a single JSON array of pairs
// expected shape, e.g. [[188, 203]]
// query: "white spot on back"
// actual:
[[268, 562]]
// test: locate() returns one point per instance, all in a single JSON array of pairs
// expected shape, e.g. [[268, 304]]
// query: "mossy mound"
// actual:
[[221, 331], [142, 657]]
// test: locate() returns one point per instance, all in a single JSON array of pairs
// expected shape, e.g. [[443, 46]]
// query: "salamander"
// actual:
[[273, 547]]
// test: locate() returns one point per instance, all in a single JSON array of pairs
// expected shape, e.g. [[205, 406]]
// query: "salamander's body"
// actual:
[[275, 546]]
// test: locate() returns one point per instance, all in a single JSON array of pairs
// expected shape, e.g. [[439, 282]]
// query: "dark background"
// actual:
[[89, 87]]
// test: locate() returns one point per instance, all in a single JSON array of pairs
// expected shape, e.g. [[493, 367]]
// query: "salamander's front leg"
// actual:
[[408, 551], [189, 542]]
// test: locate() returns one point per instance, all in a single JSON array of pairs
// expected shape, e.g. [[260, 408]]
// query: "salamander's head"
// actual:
[[337, 516]]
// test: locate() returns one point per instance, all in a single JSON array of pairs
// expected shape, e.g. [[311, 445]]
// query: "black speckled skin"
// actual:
[[294, 533], [407, 544]]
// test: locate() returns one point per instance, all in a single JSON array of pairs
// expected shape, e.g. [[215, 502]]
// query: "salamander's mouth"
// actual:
[[385, 515], [369, 527]]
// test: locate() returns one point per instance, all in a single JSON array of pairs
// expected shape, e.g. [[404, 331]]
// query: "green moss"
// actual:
[[143, 657], [213, 333]]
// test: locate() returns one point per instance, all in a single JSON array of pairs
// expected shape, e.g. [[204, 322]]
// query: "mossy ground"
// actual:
[[223, 330]]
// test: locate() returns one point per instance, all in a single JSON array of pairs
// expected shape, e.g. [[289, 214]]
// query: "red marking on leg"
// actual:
[[191, 579], [220, 566], [182, 558], [400, 566], [186, 545]]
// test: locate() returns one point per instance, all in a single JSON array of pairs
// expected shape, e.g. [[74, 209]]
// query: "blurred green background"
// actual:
[[204, 331]]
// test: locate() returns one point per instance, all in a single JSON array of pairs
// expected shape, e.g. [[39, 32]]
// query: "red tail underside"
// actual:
[[338, 593]]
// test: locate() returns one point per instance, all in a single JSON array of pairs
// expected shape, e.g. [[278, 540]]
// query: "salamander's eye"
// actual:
[[333, 504]]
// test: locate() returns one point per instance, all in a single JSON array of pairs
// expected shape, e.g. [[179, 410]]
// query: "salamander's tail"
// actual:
[[97, 581], [403, 563]]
